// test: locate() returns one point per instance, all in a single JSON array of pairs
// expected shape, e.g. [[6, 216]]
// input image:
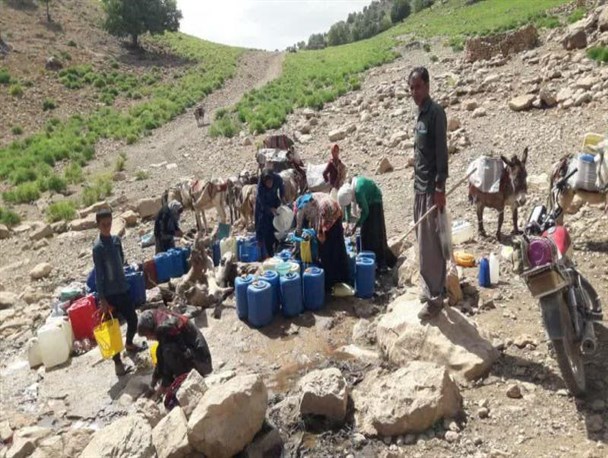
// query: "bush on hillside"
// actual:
[[599, 53], [64, 210], [9, 217], [419, 5], [400, 10], [5, 77]]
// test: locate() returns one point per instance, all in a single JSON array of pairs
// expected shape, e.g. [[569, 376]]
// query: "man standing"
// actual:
[[431, 172]]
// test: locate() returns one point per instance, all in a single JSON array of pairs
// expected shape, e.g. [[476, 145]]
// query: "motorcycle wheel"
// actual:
[[569, 358]]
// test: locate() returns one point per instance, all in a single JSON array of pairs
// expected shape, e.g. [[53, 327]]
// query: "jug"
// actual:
[[54, 349], [462, 231], [494, 269]]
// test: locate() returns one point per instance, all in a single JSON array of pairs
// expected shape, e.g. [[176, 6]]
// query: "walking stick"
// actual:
[[434, 207]]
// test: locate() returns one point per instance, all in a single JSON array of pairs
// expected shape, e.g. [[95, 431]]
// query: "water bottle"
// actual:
[[484, 273], [494, 269]]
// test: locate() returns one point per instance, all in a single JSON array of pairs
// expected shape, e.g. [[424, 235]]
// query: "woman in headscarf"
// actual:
[[181, 346], [335, 172], [367, 195], [166, 226], [324, 215], [271, 192]]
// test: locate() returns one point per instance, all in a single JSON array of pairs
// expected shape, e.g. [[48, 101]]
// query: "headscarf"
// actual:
[[175, 206], [301, 201], [346, 195], [335, 147], [160, 321]]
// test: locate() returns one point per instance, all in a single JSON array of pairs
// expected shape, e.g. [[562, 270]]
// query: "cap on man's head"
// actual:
[[103, 213]]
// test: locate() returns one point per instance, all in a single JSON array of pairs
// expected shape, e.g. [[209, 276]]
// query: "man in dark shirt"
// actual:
[[111, 283], [431, 172]]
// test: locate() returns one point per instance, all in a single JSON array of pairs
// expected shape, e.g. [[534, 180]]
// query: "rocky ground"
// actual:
[[545, 99]]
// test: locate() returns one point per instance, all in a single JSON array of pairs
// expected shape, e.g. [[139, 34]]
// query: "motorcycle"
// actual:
[[569, 304]]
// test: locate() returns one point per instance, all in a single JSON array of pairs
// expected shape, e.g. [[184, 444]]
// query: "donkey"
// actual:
[[199, 115], [200, 196], [512, 193], [566, 196]]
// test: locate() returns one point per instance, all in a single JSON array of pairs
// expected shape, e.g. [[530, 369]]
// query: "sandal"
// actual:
[[134, 348]]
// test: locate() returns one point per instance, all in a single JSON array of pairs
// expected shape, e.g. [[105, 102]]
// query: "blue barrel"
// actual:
[[163, 267], [137, 286], [185, 252], [352, 267], [285, 255], [177, 262], [484, 273], [91, 284], [259, 303], [313, 284], [240, 286], [358, 241], [273, 278], [216, 253], [291, 294], [365, 277]]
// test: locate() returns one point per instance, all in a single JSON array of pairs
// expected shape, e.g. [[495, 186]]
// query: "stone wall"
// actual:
[[503, 44]]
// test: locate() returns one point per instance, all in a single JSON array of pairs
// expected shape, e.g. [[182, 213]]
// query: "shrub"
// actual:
[[64, 210], [426, 47], [15, 90], [72, 44], [599, 53], [121, 161], [73, 173], [49, 104], [576, 15], [23, 193], [53, 183], [17, 130], [9, 217], [98, 190], [544, 21], [141, 175], [5, 77], [457, 44], [434, 58]]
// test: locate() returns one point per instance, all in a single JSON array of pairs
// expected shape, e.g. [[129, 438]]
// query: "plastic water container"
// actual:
[[137, 286], [313, 285], [185, 252], [284, 255], [54, 348], [177, 262], [352, 267], [259, 303], [368, 254], [228, 245], [273, 278], [66, 327], [82, 317], [91, 284], [163, 267], [494, 269], [484, 273], [291, 294], [249, 250], [462, 231], [271, 263], [586, 176], [240, 285], [283, 268], [365, 277], [216, 253], [33, 352]]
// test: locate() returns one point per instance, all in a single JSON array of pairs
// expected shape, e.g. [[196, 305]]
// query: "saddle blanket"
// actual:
[[488, 174]]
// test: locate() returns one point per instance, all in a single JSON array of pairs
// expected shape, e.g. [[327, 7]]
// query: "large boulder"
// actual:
[[93, 209], [575, 38], [449, 339], [522, 102], [325, 393], [8, 299], [75, 440], [384, 166], [337, 135], [410, 400], [149, 207], [51, 447], [40, 231], [128, 437], [119, 227], [170, 436], [26, 440], [4, 232], [602, 22], [83, 224], [41, 271], [228, 417], [130, 218], [191, 392]]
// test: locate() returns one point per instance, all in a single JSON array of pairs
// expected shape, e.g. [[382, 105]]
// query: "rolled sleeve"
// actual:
[[441, 146]]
